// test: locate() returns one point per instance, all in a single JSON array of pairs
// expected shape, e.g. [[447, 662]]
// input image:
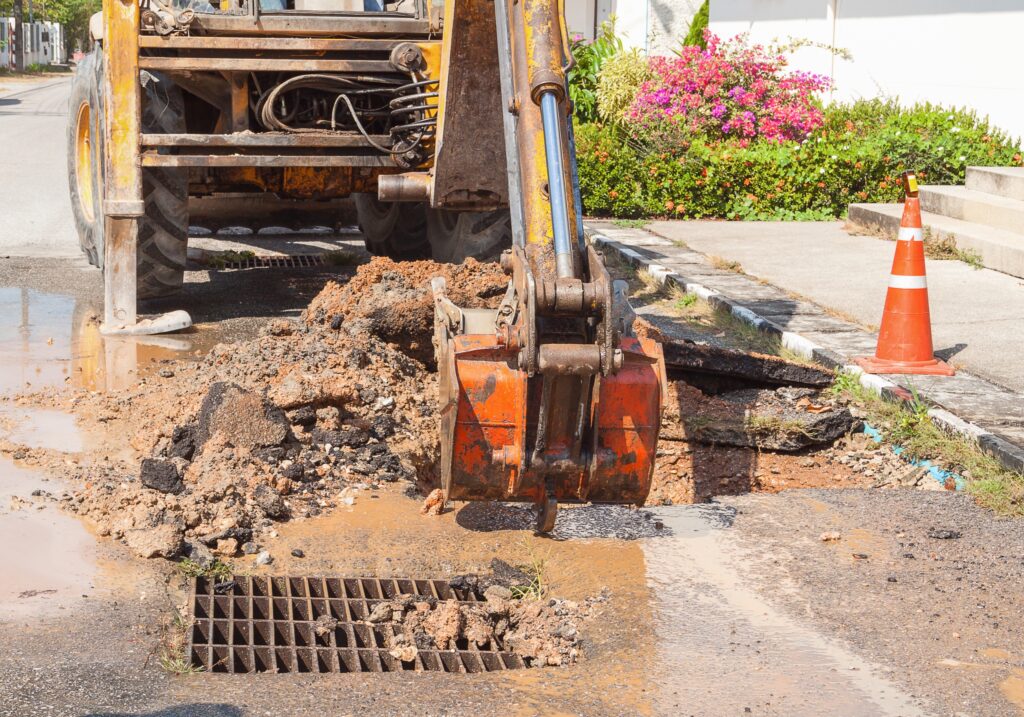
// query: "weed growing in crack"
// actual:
[[909, 425], [726, 264], [632, 223], [217, 570], [944, 248], [536, 569], [173, 657]]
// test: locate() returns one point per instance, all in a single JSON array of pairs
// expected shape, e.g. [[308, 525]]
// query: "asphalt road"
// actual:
[[737, 608], [36, 209]]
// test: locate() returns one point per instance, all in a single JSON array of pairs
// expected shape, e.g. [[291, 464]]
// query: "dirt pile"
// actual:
[[297, 421], [507, 616], [393, 301]]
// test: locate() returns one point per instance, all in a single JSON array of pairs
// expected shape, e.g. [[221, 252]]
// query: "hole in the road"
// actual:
[[322, 625]]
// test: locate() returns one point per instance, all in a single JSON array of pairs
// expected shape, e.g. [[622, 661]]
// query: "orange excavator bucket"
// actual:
[[570, 431]]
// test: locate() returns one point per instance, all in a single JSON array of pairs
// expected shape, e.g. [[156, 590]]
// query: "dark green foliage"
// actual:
[[857, 156], [695, 36], [589, 58]]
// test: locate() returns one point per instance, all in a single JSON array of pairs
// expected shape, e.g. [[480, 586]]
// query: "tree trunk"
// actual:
[[18, 38]]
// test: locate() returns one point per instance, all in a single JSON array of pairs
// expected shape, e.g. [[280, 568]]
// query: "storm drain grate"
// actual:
[[276, 262], [258, 624]]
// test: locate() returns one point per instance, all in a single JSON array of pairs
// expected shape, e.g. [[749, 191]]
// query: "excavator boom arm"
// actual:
[[550, 398]]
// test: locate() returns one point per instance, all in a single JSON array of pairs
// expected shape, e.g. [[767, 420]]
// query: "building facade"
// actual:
[[654, 26], [43, 43], [948, 52]]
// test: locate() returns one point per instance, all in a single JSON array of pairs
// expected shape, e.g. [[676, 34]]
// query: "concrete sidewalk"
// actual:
[[821, 289], [977, 315]]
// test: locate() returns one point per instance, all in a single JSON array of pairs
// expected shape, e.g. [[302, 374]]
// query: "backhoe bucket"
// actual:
[[600, 450]]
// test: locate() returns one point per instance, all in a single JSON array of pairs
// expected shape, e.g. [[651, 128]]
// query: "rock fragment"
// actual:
[[162, 475]]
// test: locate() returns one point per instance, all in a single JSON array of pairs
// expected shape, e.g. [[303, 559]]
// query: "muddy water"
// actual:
[[47, 557], [683, 634], [383, 534], [723, 649], [50, 340]]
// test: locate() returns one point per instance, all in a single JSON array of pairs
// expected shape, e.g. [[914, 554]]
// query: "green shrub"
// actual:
[[589, 58], [618, 83], [695, 35], [857, 156]]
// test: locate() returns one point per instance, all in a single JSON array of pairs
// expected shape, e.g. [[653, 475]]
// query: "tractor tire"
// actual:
[[163, 230], [457, 236], [393, 229], [85, 156]]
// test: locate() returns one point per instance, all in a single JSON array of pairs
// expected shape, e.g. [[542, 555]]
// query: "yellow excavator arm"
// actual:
[[550, 398]]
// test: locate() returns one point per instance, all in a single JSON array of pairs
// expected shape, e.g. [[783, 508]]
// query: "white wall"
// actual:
[[655, 26], [949, 52], [5, 43]]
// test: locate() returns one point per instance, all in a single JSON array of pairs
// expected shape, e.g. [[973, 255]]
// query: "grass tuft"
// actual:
[[726, 264], [217, 570], [909, 425], [173, 657], [536, 568], [946, 249], [632, 223]]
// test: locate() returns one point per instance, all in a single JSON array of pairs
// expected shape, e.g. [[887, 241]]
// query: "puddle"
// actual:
[[50, 340], [41, 428], [714, 628], [383, 534], [48, 557]]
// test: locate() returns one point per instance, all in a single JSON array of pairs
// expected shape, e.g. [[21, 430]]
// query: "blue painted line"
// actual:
[[939, 474]]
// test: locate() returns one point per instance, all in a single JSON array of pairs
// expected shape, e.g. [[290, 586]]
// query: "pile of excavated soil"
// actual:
[[297, 420], [283, 426]]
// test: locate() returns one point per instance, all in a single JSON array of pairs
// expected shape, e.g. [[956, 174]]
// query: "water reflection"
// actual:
[[51, 340]]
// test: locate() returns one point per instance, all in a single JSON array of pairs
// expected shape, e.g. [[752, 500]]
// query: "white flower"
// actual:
[[963, 158], [955, 130], [821, 171], [835, 157], [950, 118], [898, 134], [940, 148]]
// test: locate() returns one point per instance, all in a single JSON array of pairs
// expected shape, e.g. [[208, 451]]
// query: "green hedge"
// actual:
[[856, 157]]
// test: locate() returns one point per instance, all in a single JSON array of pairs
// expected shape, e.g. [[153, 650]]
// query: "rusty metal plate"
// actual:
[[259, 624]]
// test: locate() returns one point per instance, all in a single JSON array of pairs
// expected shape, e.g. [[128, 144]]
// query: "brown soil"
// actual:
[[346, 401]]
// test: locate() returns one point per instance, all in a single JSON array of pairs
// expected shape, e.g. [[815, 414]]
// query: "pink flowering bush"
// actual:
[[731, 90]]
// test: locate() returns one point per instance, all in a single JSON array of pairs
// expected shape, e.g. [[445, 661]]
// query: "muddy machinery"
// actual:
[[449, 123]]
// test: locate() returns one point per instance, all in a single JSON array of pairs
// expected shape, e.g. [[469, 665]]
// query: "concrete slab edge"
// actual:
[[1009, 455]]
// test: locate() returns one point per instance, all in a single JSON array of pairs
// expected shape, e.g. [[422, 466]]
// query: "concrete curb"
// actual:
[[1008, 454]]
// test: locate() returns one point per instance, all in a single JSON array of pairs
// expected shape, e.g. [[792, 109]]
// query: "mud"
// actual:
[[48, 557], [311, 415]]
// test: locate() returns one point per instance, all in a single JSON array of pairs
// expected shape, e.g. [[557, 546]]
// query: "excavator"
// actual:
[[448, 125]]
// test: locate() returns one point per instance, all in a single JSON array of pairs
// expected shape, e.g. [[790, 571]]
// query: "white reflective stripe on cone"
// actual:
[[911, 234], [907, 282]]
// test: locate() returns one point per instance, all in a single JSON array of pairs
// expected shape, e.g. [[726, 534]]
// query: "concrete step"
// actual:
[[1002, 181], [973, 206], [999, 249]]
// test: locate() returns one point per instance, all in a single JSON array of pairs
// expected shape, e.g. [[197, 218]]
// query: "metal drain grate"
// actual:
[[277, 262], [257, 624]]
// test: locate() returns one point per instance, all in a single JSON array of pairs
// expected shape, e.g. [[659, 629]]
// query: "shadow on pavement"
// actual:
[[948, 353], [193, 710]]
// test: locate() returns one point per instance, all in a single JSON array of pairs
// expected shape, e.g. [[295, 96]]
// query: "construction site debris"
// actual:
[[773, 420], [690, 360], [314, 414]]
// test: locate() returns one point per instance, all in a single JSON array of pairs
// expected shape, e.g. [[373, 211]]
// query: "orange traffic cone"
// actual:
[[905, 340]]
